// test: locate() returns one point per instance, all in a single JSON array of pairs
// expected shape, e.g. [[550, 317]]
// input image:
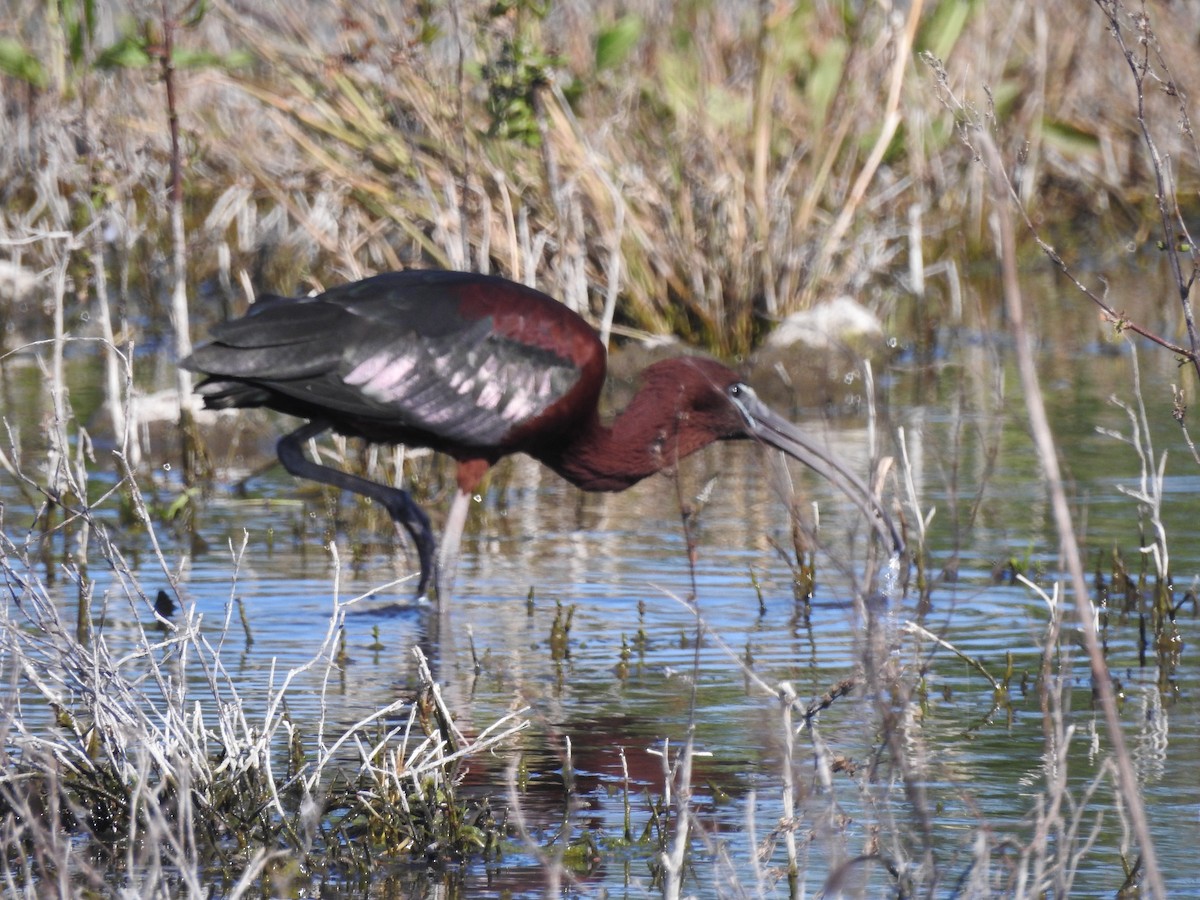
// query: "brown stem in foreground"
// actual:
[[1043, 439], [192, 452]]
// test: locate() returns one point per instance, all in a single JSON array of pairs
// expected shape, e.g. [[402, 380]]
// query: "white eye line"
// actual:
[[740, 389], [739, 392]]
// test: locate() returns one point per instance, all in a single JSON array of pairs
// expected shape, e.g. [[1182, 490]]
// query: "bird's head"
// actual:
[[700, 393], [712, 403]]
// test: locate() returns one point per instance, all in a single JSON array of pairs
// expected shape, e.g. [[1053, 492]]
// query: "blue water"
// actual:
[[632, 678]]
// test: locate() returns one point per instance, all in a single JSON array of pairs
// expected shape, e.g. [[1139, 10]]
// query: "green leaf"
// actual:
[[127, 53], [238, 59], [1005, 96], [74, 31], [189, 58], [943, 28], [89, 18], [78, 21], [178, 505], [826, 75], [614, 44], [18, 62], [1069, 138], [197, 15]]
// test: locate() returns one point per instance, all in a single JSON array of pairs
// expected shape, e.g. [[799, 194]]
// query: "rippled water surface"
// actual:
[[631, 678]]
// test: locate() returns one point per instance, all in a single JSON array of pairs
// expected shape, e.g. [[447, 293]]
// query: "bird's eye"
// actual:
[[736, 390]]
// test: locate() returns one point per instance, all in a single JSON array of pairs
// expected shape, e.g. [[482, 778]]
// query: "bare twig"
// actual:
[[1164, 193], [972, 126], [1043, 439]]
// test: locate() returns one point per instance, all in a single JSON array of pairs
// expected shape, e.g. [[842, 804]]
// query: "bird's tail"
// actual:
[[222, 393]]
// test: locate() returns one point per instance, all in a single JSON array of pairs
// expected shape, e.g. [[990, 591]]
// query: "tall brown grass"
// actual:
[[740, 162]]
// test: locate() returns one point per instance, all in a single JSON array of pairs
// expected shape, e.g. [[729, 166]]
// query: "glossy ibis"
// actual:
[[478, 367]]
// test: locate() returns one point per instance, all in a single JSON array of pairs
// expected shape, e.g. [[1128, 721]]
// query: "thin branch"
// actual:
[[1043, 439], [970, 122], [1139, 66]]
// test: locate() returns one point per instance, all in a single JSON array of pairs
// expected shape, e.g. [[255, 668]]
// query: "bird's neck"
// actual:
[[647, 437]]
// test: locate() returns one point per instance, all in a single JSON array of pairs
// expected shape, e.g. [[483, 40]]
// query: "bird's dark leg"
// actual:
[[400, 506]]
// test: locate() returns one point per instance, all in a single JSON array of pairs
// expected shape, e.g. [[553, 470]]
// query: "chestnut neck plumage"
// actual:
[[651, 434]]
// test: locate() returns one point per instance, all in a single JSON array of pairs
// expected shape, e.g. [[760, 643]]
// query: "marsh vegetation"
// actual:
[[213, 680]]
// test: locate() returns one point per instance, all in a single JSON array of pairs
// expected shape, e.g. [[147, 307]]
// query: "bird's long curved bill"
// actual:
[[771, 428]]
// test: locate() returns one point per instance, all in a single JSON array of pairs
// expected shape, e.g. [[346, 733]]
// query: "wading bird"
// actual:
[[479, 367]]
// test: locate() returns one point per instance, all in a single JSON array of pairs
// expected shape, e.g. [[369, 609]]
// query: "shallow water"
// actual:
[[633, 679]]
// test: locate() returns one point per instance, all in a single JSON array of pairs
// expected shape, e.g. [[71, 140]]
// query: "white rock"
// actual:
[[826, 324]]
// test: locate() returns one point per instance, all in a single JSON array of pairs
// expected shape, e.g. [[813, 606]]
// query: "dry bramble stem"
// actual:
[[1120, 321], [1048, 454], [1140, 67]]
